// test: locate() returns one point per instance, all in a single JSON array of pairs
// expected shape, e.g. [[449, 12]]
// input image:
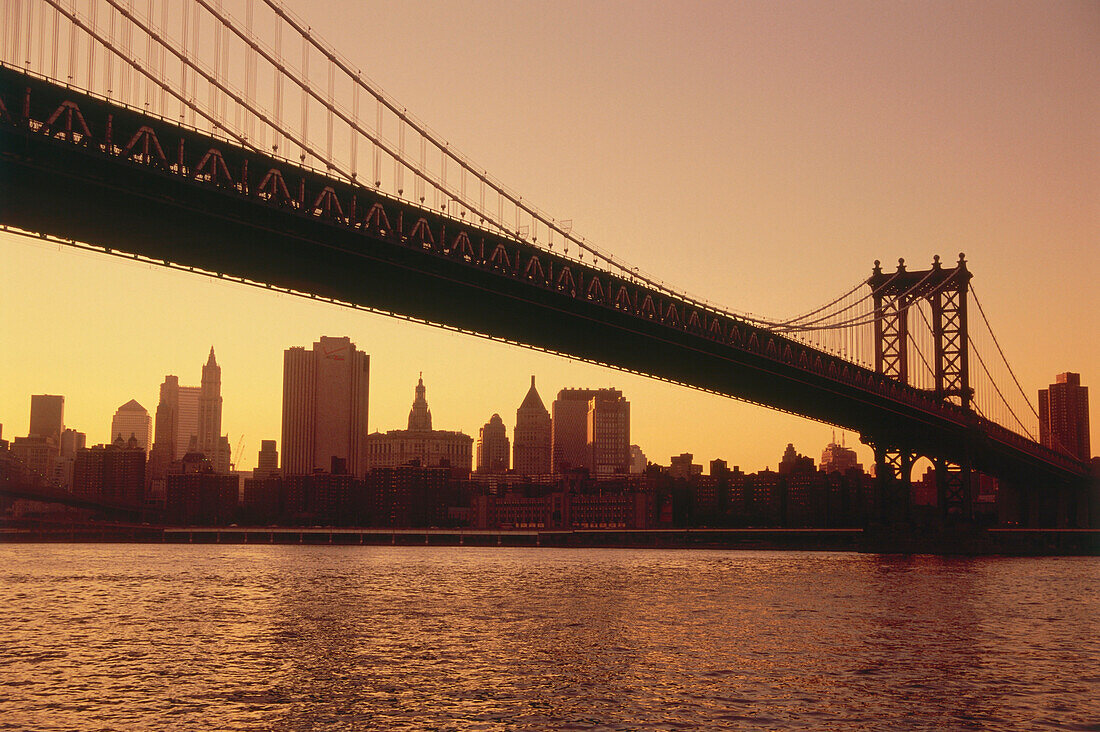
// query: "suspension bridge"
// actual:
[[225, 137]]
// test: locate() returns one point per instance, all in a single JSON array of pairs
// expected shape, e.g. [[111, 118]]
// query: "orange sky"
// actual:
[[758, 154]]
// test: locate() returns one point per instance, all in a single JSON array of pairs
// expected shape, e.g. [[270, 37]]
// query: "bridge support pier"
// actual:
[[953, 491], [892, 486]]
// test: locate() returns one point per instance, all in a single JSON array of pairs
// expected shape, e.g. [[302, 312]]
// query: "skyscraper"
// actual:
[[569, 435], [47, 416], [325, 395], [177, 419], [132, 419], [531, 437], [608, 433], [71, 441], [591, 429], [1064, 416], [492, 447], [210, 442]]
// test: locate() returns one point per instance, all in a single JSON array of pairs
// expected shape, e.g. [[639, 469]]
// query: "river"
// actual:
[[180, 637]]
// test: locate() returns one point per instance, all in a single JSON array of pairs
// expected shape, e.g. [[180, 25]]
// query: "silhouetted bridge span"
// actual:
[[82, 168]]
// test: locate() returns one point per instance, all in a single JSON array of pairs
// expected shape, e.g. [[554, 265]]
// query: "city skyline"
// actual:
[[803, 183]]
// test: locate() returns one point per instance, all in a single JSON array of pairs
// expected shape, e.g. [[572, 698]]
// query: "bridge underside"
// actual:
[[50, 186]]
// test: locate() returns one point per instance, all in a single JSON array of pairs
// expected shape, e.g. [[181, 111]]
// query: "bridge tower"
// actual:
[[945, 290]]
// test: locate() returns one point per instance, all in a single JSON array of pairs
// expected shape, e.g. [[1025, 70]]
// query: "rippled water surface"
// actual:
[[143, 637]]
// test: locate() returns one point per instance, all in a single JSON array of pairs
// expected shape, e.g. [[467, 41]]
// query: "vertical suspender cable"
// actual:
[[305, 96], [195, 18], [41, 36], [399, 168], [250, 68], [276, 136], [354, 134], [108, 60], [423, 168], [127, 43], [331, 101], [91, 49], [214, 94], [184, 24], [377, 148], [73, 49], [445, 193], [151, 57], [162, 60], [55, 49]]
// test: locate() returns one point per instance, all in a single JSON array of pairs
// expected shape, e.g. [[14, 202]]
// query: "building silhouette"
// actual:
[[793, 462], [133, 419], [1064, 416], [531, 447], [569, 436], [267, 461], [838, 459], [71, 441], [177, 419], [493, 447], [114, 472], [420, 417], [47, 416], [608, 433], [682, 467], [325, 400], [210, 440], [420, 444], [591, 430]]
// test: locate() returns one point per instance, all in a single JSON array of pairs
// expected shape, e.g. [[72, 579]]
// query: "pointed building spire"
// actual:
[[211, 361], [420, 417], [532, 400]]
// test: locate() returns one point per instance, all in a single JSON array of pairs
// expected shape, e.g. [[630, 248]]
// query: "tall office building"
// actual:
[[1064, 416], [325, 395], [132, 419], [71, 441], [47, 416], [493, 447], [177, 420], [608, 433], [531, 437], [569, 434], [210, 438], [591, 429]]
